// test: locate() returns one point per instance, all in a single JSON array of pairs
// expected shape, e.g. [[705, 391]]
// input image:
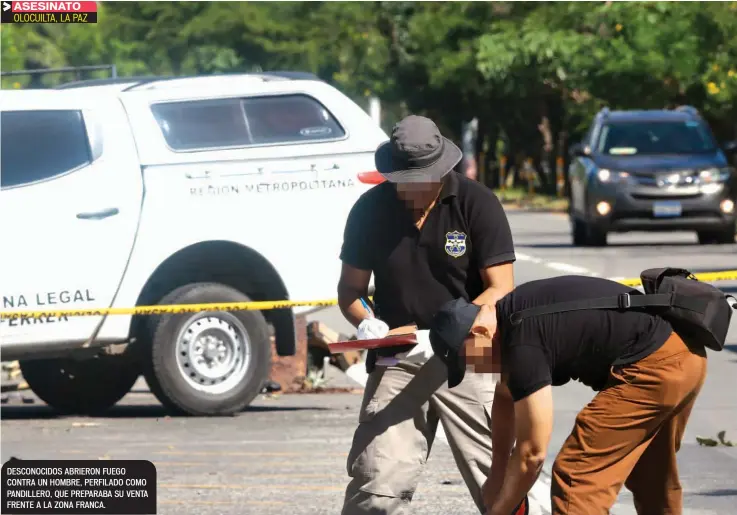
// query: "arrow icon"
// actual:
[[6, 6]]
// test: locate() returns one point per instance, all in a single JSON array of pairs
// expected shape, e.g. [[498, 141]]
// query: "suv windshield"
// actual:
[[652, 137]]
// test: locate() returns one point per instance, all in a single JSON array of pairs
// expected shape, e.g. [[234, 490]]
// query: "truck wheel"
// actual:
[[211, 362], [81, 387]]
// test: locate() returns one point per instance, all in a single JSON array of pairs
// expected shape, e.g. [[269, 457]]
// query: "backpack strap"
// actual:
[[623, 301]]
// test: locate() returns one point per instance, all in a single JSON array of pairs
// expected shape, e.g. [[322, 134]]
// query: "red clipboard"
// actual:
[[389, 341]]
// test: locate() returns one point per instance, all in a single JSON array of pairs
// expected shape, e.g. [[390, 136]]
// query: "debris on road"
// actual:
[[18, 396], [11, 370], [314, 369], [706, 442], [13, 384], [320, 336], [720, 436], [711, 442], [315, 379], [270, 387]]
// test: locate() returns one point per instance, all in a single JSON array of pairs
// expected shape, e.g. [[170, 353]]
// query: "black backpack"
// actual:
[[698, 312]]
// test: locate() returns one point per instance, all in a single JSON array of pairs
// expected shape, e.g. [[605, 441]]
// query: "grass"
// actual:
[[521, 198]]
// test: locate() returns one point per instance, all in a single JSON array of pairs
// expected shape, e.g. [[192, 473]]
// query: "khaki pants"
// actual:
[[401, 408], [629, 434]]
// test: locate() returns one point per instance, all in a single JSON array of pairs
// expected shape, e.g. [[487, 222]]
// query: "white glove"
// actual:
[[372, 328]]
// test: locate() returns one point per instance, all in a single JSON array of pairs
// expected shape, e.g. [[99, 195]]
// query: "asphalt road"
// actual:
[[286, 454]]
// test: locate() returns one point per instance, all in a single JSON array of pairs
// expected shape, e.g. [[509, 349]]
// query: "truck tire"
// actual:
[[207, 363], [81, 387]]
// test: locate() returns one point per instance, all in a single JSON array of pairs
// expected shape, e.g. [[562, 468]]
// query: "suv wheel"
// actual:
[[724, 236], [579, 233], [584, 235], [207, 363], [81, 387]]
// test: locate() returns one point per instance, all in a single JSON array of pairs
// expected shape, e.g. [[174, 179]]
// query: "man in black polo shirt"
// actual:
[[647, 378], [429, 235]]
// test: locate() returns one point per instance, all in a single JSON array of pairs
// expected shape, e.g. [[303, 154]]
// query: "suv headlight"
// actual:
[[605, 175], [712, 175]]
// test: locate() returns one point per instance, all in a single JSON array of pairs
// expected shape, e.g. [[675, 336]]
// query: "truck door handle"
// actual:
[[98, 215]]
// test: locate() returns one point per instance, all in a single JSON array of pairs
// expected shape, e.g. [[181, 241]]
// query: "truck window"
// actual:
[[39, 145], [290, 119], [202, 124], [210, 124]]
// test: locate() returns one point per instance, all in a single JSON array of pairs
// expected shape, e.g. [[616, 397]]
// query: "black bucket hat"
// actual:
[[416, 152], [449, 328]]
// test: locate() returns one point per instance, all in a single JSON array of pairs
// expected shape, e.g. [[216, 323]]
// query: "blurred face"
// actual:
[[418, 195], [481, 349]]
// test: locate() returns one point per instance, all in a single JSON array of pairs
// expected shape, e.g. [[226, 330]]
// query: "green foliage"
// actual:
[[622, 54], [510, 64]]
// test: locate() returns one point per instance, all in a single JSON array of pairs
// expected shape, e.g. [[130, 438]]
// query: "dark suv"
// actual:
[[651, 171]]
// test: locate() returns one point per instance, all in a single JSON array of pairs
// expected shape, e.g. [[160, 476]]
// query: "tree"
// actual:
[[534, 71], [584, 56]]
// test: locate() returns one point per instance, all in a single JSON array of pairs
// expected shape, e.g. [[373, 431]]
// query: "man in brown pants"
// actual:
[[647, 378]]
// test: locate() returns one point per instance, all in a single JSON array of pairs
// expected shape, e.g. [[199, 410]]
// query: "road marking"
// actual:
[[525, 257], [571, 269], [560, 267], [176, 486]]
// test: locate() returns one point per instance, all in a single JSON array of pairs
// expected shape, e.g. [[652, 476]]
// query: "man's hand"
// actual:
[[522, 509], [533, 424], [485, 322], [502, 441]]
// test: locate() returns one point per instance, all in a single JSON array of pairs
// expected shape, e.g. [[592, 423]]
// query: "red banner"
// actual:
[[53, 7]]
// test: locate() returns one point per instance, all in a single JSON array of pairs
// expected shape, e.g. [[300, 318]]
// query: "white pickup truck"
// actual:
[[131, 192]]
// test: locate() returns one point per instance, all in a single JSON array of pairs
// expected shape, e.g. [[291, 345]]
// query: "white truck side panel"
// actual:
[[58, 259], [289, 203]]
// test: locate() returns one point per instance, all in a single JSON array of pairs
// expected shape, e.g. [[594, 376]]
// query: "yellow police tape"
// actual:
[[726, 275]]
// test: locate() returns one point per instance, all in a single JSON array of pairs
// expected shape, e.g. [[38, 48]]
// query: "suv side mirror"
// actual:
[[730, 146], [576, 150]]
